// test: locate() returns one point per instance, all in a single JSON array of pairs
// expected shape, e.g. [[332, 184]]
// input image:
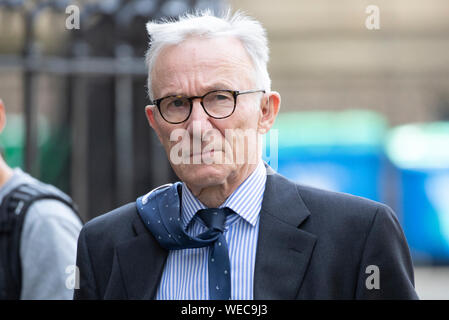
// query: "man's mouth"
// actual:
[[203, 153]]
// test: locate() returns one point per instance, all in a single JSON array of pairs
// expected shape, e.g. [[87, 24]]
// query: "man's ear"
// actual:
[[150, 111], [269, 109], [2, 116]]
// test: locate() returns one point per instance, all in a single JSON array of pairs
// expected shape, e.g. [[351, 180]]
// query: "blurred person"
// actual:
[[233, 229], [39, 228]]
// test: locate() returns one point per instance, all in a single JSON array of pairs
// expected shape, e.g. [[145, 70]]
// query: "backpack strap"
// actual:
[[12, 215]]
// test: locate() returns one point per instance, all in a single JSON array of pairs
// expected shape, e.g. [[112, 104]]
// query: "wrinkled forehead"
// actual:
[[205, 58]]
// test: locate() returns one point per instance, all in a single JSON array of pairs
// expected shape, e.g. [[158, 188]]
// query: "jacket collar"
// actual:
[[141, 260], [283, 249]]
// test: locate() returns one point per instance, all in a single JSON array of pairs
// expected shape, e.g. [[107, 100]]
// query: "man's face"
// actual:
[[194, 68]]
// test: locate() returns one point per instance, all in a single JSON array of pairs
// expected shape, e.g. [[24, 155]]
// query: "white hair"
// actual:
[[203, 23]]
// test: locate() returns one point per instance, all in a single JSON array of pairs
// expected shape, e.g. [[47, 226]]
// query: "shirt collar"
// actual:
[[246, 200]]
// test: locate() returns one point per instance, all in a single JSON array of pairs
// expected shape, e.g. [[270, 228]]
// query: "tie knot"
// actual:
[[214, 218]]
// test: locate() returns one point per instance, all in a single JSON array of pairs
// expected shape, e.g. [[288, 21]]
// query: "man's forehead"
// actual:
[[203, 51], [217, 63]]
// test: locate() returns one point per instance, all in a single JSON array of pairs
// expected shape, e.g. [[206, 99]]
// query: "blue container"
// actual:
[[338, 151], [421, 154]]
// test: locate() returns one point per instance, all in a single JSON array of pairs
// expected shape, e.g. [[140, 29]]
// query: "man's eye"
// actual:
[[178, 103], [221, 97]]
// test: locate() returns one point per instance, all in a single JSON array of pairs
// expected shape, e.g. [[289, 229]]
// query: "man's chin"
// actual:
[[202, 173]]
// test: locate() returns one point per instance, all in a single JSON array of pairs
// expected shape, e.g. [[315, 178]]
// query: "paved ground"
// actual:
[[432, 283]]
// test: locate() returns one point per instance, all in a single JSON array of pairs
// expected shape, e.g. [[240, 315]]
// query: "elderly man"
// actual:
[[233, 228]]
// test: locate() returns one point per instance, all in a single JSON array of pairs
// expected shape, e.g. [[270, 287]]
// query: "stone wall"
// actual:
[[324, 57]]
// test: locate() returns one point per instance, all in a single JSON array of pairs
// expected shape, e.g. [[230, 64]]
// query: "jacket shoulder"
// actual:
[[324, 199], [343, 211], [112, 227]]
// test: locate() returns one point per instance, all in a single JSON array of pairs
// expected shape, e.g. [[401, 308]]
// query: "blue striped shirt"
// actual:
[[185, 274]]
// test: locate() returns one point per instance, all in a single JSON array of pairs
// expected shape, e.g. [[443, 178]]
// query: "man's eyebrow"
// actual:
[[217, 86], [206, 89], [169, 94], [172, 94]]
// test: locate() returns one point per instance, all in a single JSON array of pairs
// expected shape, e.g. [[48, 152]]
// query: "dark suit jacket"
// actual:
[[312, 244]]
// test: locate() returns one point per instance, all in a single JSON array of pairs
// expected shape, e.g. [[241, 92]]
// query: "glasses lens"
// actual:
[[219, 104], [175, 109]]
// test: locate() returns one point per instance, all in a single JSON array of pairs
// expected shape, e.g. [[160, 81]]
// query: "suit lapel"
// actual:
[[141, 261], [283, 250]]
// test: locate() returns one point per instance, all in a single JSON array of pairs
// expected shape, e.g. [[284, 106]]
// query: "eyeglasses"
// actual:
[[218, 104]]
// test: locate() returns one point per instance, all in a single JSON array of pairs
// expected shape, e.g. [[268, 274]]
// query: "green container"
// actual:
[[420, 146], [331, 128], [335, 150]]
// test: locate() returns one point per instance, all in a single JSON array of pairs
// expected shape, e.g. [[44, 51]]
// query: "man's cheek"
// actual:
[[234, 149], [228, 152]]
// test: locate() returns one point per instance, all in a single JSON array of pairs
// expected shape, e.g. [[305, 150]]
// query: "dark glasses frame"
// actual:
[[234, 93]]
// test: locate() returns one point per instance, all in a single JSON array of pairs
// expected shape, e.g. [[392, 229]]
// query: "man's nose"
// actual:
[[198, 116]]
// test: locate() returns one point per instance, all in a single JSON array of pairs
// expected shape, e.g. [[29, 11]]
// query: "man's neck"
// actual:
[[214, 196], [5, 172]]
